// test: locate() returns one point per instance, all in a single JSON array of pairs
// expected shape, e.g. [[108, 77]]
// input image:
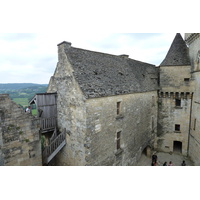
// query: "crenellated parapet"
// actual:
[[175, 95]]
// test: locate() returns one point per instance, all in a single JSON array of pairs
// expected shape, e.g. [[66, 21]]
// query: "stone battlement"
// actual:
[[174, 95]]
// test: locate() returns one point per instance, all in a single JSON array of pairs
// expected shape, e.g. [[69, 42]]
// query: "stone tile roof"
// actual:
[[177, 54], [100, 74]]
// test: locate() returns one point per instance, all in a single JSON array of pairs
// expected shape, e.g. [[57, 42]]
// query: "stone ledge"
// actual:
[[178, 107], [120, 117], [177, 131]]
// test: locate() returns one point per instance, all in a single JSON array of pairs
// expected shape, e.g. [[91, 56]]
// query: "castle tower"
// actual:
[[174, 99], [193, 42]]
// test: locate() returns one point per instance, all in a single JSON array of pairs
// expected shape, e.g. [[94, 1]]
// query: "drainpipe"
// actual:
[[190, 122]]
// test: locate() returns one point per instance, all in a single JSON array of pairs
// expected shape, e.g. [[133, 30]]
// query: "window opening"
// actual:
[[177, 127], [186, 80], [152, 125], [118, 140], [195, 124], [118, 107], [153, 101], [178, 102]]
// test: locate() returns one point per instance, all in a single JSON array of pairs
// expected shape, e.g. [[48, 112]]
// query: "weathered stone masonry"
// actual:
[[136, 122], [193, 42], [19, 135], [89, 87]]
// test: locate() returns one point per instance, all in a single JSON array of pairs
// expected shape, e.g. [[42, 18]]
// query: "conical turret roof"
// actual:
[[177, 54]]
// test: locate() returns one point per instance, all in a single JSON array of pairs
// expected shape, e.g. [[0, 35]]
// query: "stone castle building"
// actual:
[[107, 110]]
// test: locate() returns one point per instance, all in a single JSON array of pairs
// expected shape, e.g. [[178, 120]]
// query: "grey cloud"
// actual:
[[111, 42], [27, 49], [46, 64], [140, 36], [11, 37], [42, 63]]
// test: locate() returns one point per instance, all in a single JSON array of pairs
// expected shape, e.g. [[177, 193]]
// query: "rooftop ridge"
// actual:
[[109, 54]]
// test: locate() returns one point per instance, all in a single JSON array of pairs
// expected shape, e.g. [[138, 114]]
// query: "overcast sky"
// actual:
[[32, 57]]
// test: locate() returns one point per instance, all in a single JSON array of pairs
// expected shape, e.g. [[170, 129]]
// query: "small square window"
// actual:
[[177, 127], [186, 80], [178, 102]]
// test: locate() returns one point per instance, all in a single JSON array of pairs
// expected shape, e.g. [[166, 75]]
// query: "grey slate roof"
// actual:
[[177, 54], [100, 74]]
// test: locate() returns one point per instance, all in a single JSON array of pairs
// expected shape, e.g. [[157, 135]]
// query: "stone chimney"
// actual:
[[62, 48], [124, 56]]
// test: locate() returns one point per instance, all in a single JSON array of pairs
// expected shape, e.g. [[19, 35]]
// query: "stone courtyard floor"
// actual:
[[176, 159]]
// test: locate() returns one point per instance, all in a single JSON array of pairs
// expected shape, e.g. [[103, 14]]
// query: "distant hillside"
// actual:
[[22, 90], [17, 86]]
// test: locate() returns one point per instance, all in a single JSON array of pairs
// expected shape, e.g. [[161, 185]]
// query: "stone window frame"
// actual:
[[119, 110], [177, 128], [178, 103], [118, 140], [118, 144], [153, 101], [195, 122], [119, 107], [186, 81], [152, 124]]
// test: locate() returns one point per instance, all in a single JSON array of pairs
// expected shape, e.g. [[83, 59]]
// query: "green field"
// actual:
[[22, 101], [34, 112], [20, 93]]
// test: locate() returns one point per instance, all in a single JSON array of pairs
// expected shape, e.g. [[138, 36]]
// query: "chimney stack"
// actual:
[[63, 47]]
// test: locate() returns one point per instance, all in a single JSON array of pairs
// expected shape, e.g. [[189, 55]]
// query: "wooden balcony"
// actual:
[[48, 124], [46, 105]]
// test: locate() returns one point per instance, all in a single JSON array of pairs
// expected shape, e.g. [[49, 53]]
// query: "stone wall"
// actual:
[[176, 84], [71, 112], [136, 122], [193, 41], [172, 78], [19, 135], [169, 115], [194, 140]]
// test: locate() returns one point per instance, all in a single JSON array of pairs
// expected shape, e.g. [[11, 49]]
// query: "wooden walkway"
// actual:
[[57, 142]]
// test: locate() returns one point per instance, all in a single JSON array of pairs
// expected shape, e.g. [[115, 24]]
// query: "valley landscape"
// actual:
[[21, 93]]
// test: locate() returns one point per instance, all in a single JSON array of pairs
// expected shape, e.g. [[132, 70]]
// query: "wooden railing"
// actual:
[[55, 146], [53, 137], [48, 123]]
